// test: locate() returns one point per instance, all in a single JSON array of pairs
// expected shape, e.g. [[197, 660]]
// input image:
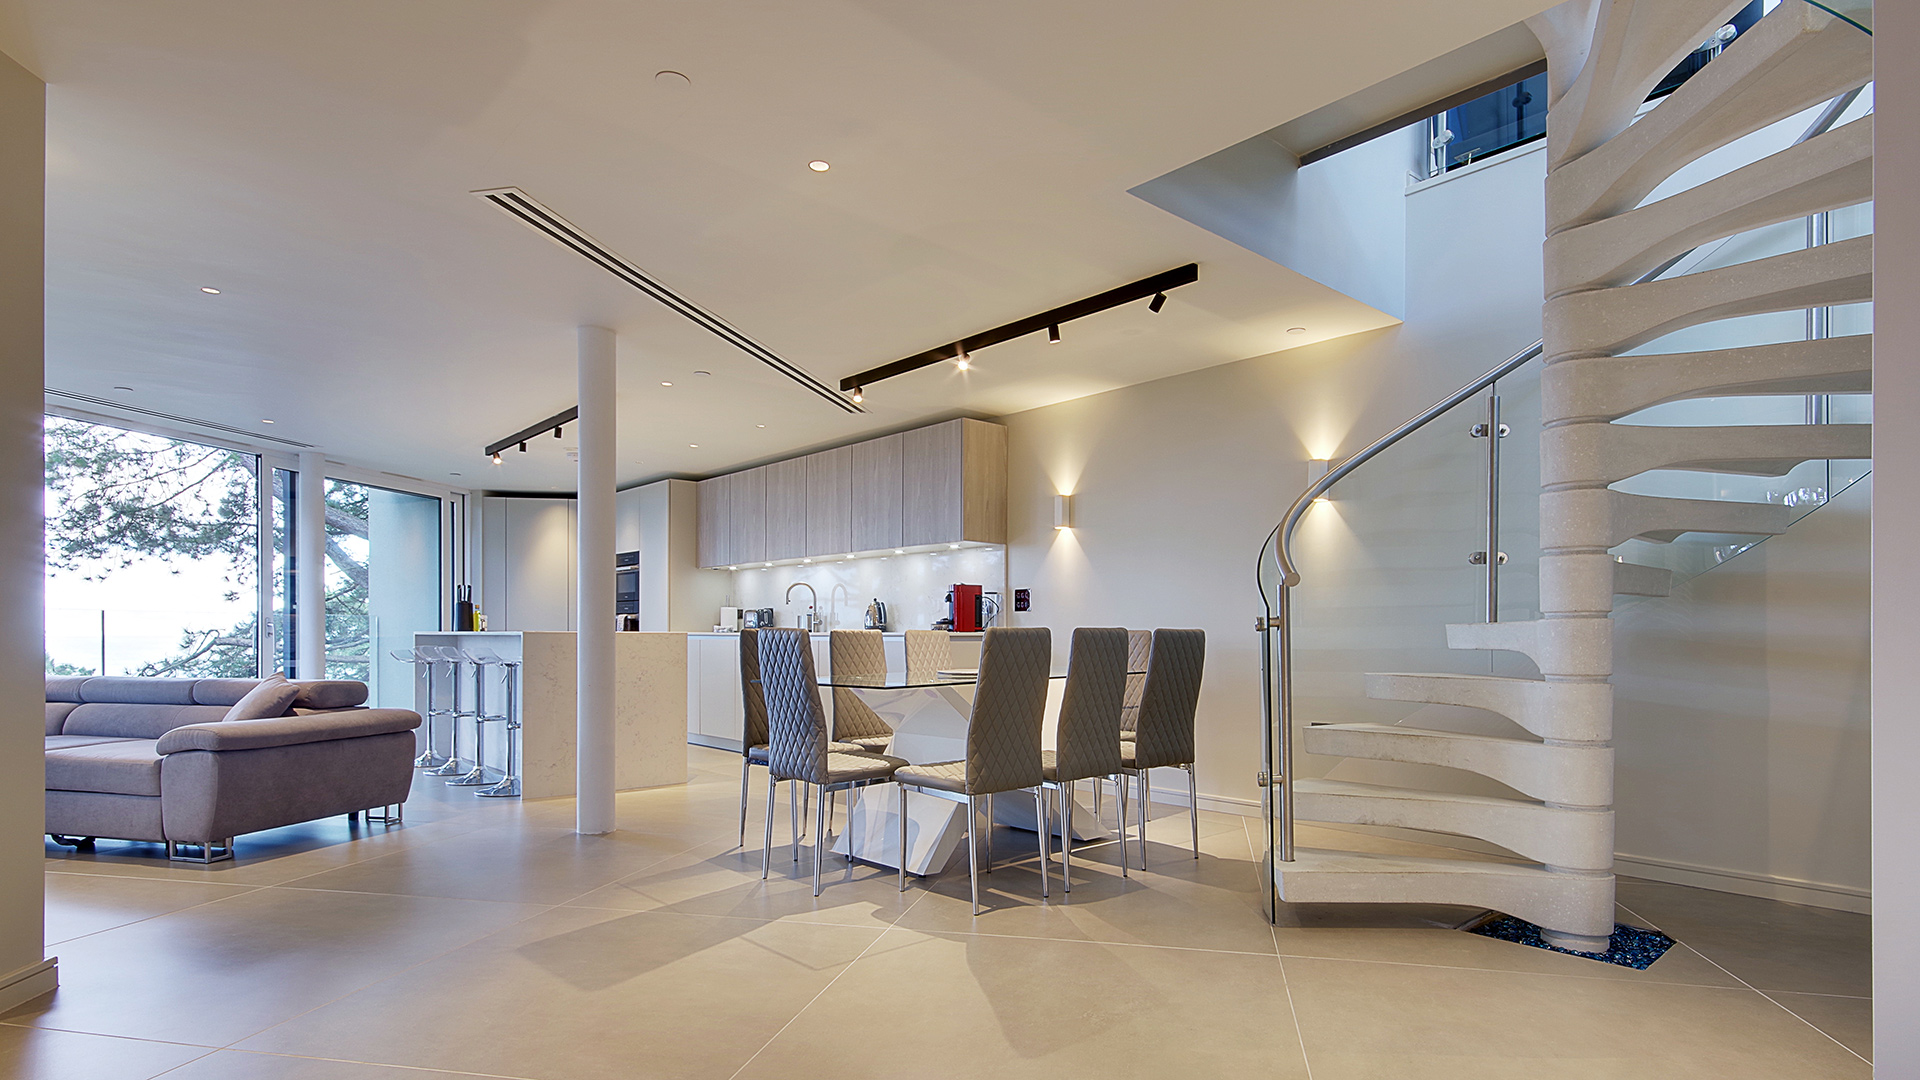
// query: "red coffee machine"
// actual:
[[964, 609]]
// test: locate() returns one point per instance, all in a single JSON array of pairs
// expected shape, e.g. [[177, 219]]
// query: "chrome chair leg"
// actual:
[[973, 852], [1045, 828], [988, 861], [509, 720], [1146, 800], [794, 809], [1066, 841], [1193, 808], [766, 848], [746, 769], [1120, 808], [819, 837], [903, 836]]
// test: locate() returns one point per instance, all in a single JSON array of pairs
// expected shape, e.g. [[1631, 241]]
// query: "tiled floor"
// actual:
[[486, 939]]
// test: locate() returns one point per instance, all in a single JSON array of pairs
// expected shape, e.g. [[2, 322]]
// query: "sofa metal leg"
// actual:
[[206, 856], [390, 814], [77, 843]]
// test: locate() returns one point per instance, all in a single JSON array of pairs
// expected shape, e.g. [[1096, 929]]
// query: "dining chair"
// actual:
[[798, 747], [1088, 740], [928, 650], [1163, 736], [1139, 645], [858, 652], [753, 728], [1003, 743]]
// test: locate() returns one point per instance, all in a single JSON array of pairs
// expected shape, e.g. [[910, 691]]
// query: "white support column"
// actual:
[[593, 777], [310, 566]]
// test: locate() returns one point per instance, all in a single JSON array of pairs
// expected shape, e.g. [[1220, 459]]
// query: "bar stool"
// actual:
[[427, 759], [509, 785], [459, 658], [440, 654]]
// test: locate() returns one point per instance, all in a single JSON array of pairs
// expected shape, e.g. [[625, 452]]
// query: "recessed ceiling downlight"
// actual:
[[128, 389], [1296, 329], [210, 290], [671, 80], [818, 166]]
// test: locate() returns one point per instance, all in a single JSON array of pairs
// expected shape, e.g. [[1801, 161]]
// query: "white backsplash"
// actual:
[[914, 587]]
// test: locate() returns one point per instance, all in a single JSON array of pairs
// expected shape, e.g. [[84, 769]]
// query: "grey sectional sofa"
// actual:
[[156, 760]]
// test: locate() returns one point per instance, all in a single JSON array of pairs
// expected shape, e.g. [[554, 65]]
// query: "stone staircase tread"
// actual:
[[1326, 861], [1500, 679], [1351, 789], [1425, 733]]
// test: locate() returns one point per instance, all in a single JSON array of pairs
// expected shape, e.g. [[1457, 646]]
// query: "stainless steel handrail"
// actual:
[[1276, 626]]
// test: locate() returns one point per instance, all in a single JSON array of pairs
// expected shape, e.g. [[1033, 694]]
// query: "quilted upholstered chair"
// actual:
[[798, 749], [1163, 736], [753, 727], [1003, 742], [858, 652], [1088, 742], [928, 650], [1139, 647]]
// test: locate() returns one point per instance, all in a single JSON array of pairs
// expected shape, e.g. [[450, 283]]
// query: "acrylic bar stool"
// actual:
[[437, 655], [427, 759], [509, 785], [477, 776]]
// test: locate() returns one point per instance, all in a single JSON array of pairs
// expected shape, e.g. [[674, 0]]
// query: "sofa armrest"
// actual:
[[287, 730]]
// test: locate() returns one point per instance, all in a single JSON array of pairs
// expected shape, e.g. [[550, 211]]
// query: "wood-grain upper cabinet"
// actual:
[[830, 502], [716, 522], [955, 484], [787, 509], [942, 484], [879, 477], [747, 502]]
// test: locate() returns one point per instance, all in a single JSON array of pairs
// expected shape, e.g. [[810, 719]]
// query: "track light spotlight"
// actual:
[[1053, 335], [858, 396], [523, 448], [556, 432], [1159, 301], [964, 362], [496, 459]]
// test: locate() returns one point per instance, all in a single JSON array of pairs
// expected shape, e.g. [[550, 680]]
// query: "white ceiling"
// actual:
[[313, 160]]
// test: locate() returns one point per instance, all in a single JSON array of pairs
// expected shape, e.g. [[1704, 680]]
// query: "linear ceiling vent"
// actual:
[[563, 232]]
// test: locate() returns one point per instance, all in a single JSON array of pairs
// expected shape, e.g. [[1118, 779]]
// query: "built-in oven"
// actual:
[[626, 583]]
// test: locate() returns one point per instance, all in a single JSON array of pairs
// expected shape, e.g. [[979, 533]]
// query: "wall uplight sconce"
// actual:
[[1317, 469], [1063, 511]]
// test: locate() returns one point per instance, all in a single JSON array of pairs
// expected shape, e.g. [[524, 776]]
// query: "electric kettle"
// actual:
[[876, 616]]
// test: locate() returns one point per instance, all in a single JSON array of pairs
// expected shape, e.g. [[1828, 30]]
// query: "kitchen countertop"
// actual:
[[969, 635]]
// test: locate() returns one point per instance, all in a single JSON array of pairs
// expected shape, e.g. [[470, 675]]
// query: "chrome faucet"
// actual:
[[813, 608]]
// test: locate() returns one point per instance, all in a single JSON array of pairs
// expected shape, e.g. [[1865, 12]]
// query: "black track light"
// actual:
[[1159, 301], [496, 459], [523, 448], [858, 395], [556, 432], [1053, 334]]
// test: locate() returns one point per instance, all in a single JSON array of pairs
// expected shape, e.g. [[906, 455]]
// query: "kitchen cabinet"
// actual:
[[787, 509], [529, 556], [942, 484], [747, 499], [714, 707], [879, 480], [955, 485], [830, 502], [715, 513]]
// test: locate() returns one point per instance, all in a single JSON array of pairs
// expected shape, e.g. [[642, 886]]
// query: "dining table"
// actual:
[[928, 711]]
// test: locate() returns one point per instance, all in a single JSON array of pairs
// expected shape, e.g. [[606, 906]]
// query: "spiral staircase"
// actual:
[[1607, 293]]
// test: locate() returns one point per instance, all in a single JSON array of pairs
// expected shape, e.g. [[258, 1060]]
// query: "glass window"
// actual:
[[152, 554], [383, 584]]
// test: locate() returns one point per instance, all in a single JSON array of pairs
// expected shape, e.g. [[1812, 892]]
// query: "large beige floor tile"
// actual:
[[945, 1005], [1849, 1020], [720, 878], [273, 857], [244, 1065], [585, 993], [35, 1054], [1209, 903], [1397, 1022], [1773, 945], [81, 904], [523, 864], [219, 972]]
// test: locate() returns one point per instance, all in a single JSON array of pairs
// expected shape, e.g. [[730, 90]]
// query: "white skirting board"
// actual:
[[29, 982], [1765, 886]]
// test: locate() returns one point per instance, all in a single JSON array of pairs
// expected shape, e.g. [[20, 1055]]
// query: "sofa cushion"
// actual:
[[66, 742], [138, 691], [288, 730], [120, 720], [57, 712], [65, 687], [123, 767], [272, 697], [222, 691]]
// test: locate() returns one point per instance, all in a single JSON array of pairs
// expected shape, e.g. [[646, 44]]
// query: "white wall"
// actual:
[[1896, 577], [22, 545]]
